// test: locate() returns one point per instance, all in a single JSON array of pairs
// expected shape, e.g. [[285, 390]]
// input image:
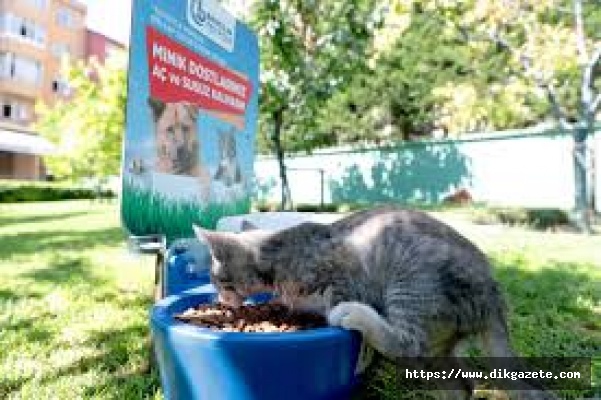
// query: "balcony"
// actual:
[[20, 88], [17, 45]]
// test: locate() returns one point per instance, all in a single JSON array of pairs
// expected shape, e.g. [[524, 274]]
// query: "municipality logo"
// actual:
[[197, 13], [213, 21]]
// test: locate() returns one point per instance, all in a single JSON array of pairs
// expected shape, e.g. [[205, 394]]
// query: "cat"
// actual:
[[228, 169], [411, 285]]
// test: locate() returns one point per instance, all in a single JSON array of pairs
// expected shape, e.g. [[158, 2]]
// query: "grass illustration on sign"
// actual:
[[146, 212]]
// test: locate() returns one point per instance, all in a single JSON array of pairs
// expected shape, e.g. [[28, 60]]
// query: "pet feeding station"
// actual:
[[199, 363], [159, 207]]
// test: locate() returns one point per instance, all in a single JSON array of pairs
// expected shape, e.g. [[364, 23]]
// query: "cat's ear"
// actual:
[[157, 106], [204, 235], [248, 226]]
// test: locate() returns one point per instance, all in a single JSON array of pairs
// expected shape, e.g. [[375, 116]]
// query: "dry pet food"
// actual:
[[268, 317]]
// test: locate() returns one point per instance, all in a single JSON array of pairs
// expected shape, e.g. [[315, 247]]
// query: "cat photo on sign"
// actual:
[[228, 169], [228, 183]]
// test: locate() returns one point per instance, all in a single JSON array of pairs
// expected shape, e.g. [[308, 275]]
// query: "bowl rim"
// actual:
[[162, 317]]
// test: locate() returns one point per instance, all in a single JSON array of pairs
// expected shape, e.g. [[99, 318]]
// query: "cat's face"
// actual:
[[235, 269], [227, 145]]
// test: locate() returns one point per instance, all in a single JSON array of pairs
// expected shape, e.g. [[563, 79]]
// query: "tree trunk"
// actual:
[[286, 201], [581, 178]]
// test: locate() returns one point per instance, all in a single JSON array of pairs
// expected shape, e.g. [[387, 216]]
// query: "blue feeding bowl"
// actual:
[[187, 262], [203, 364]]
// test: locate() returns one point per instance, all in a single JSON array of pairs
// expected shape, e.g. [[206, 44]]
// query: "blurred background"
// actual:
[[412, 101], [483, 113]]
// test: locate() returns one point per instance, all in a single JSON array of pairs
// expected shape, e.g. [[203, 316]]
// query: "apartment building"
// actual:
[[35, 36], [101, 47]]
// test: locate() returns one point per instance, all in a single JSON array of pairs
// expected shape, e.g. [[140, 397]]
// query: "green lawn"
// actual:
[[74, 303]]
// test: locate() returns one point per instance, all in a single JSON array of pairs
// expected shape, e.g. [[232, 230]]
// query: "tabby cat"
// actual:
[[411, 285]]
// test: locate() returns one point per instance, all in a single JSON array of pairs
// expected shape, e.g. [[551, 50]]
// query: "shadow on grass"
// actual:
[[124, 361], [552, 313], [38, 242], [59, 270], [66, 269], [120, 362], [13, 295], [6, 220], [31, 329]]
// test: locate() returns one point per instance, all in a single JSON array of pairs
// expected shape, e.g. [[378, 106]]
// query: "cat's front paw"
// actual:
[[350, 315]]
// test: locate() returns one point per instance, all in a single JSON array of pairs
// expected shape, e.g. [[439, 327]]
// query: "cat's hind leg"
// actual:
[[398, 338]]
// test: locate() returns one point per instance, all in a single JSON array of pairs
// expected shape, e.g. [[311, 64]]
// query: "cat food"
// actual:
[[266, 317]]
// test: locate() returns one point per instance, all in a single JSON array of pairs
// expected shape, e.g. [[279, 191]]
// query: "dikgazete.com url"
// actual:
[[498, 373]]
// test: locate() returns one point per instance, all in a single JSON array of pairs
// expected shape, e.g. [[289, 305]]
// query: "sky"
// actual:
[[110, 17]]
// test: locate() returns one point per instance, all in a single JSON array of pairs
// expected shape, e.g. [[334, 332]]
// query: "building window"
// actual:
[[65, 18], [60, 49], [14, 110], [61, 86], [7, 111], [20, 68], [22, 29], [40, 4]]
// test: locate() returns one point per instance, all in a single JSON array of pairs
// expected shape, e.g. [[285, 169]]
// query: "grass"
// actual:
[[74, 304]]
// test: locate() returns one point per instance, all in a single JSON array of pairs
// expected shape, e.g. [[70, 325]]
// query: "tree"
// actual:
[[395, 99], [555, 45], [308, 51], [424, 78], [88, 127]]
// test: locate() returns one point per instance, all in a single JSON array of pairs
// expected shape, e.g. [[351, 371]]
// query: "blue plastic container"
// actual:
[[198, 363], [187, 262]]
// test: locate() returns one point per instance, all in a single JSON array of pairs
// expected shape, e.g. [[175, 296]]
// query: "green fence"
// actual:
[[513, 168]]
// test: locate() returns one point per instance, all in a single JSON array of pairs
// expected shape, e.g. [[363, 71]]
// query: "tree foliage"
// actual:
[[88, 127], [438, 68], [309, 50], [397, 97], [429, 76]]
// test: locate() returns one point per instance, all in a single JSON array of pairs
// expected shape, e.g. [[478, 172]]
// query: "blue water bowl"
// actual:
[[199, 363]]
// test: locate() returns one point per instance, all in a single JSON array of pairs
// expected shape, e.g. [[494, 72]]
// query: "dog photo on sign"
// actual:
[[176, 138], [177, 143]]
